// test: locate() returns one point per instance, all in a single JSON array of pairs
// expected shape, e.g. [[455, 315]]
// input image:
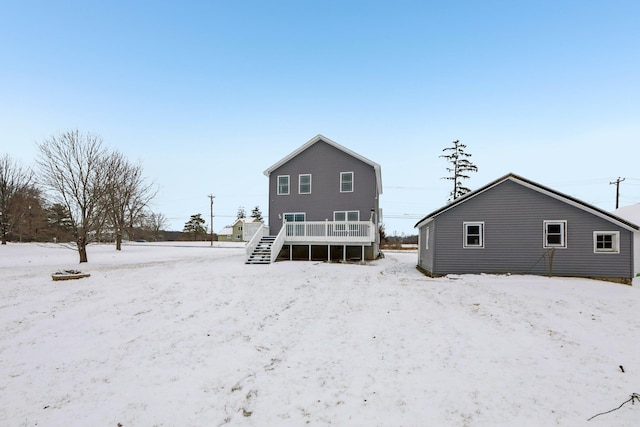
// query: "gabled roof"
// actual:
[[536, 187], [244, 220], [318, 138], [630, 213], [227, 231]]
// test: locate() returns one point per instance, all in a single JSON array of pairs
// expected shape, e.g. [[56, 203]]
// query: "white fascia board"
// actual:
[[583, 206], [319, 137]]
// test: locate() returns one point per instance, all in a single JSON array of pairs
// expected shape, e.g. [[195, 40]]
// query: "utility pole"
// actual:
[[211, 197], [617, 184]]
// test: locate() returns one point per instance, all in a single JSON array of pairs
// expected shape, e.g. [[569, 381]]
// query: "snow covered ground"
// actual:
[[188, 335]]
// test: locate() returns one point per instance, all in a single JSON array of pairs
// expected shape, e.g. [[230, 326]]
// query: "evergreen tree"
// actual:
[[195, 226], [256, 214], [460, 166], [59, 223], [241, 213]]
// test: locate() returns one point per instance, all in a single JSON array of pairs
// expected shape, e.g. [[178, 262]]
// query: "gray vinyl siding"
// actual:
[[513, 217], [425, 256], [324, 162]]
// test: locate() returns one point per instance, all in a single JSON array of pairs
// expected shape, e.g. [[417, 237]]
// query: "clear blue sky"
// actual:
[[209, 94]]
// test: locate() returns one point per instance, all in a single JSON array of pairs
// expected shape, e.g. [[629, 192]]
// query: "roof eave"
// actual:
[[320, 137], [539, 188]]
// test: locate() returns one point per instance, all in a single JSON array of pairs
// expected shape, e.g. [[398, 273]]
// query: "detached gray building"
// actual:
[[514, 225], [323, 205]]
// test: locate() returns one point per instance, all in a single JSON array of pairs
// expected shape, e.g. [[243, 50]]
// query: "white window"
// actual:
[[346, 216], [473, 234], [606, 242], [292, 228], [295, 217], [555, 234], [304, 184], [426, 238], [346, 182], [283, 185]]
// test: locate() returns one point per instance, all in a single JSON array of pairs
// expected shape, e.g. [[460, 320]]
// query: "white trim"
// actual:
[[341, 225], [465, 234], [329, 232], [537, 188], [563, 236], [615, 242], [425, 222], [300, 182], [426, 238], [353, 184], [288, 185], [374, 165], [304, 214], [346, 216]]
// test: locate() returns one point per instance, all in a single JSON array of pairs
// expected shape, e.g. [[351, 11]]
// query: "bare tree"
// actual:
[[156, 222], [71, 167], [461, 165], [14, 181], [126, 194]]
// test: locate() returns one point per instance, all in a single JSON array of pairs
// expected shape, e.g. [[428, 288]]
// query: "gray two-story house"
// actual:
[[514, 225], [323, 205]]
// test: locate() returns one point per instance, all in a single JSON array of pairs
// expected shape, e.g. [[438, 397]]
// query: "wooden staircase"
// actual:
[[262, 253]]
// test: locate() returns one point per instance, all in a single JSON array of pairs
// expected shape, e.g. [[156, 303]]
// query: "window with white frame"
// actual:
[[555, 234], [473, 234], [295, 217], [304, 184], [283, 185], [426, 238], [346, 216], [607, 242], [294, 223], [346, 182]]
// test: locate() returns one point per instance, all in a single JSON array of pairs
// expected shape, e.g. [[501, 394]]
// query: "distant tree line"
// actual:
[[80, 192], [195, 228]]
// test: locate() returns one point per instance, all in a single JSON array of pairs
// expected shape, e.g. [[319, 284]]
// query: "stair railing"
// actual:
[[278, 243], [255, 240]]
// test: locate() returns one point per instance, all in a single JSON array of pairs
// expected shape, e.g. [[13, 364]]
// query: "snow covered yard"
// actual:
[[169, 335]]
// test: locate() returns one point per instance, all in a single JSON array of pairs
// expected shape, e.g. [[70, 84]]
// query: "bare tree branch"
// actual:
[[71, 167], [632, 399], [126, 194], [14, 180]]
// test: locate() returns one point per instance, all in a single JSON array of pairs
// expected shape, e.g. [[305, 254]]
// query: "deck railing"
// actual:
[[330, 231], [277, 244], [253, 243]]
